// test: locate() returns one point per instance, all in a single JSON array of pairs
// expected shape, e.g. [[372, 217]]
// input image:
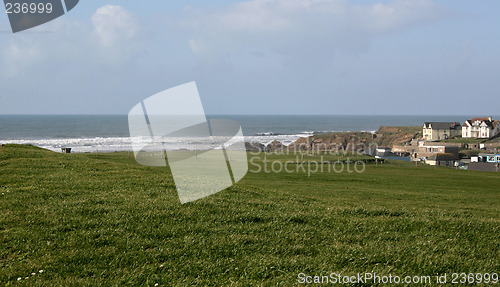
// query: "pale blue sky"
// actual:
[[259, 57]]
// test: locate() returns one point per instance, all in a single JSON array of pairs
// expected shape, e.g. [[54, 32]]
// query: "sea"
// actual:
[[107, 133]]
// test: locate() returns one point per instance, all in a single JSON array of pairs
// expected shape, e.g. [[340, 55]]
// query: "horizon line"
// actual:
[[235, 114]]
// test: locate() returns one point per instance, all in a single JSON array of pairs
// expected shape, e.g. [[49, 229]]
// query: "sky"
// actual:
[[415, 57]]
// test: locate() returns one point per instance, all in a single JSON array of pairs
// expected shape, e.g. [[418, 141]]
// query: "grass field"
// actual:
[[102, 219]]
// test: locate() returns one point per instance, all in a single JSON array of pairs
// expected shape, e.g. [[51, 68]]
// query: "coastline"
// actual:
[[108, 133], [115, 144]]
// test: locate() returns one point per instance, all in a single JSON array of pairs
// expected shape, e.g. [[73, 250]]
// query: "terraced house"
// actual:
[[480, 128], [435, 131]]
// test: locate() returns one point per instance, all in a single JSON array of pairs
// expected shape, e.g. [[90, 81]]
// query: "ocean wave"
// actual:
[[110, 144], [77, 144], [302, 133], [311, 133], [266, 134]]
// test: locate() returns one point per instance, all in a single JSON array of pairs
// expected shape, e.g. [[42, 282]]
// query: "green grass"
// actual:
[[408, 129], [463, 140], [102, 219]]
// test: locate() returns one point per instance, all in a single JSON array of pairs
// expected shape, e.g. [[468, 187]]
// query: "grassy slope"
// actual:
[[91, 219], [402, 129]]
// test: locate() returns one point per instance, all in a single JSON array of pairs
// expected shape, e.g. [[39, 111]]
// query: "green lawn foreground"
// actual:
[[103, 219]]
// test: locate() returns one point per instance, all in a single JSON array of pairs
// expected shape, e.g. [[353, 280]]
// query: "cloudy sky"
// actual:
[[259, 57]]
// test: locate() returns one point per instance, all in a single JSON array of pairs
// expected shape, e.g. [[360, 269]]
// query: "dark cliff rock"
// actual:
[[254, 146], [357, 141], [275, 146]]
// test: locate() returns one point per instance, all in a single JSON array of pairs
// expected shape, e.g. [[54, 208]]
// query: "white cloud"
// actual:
[[302, 26], [119, 35], [114, 36], [113, 25], [85, 59], [402, 14], [17, 56], [259, 55]]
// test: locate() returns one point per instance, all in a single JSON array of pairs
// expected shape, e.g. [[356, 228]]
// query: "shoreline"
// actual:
[[117, 144]]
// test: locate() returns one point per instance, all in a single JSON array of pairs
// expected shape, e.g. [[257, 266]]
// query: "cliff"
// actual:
[[358, 141]]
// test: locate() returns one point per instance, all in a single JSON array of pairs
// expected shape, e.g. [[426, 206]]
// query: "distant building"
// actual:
[[426, 150], [442, 159], [480, 128], [435, 131], [383, 152], [489, 157]]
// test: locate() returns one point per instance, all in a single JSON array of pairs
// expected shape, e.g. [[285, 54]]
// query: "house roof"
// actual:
[[486, 121], [441, 125], [481, 119], [440, 144], [443, 156]]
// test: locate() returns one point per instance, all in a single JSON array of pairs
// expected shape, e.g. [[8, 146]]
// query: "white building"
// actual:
[[480, 128]]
